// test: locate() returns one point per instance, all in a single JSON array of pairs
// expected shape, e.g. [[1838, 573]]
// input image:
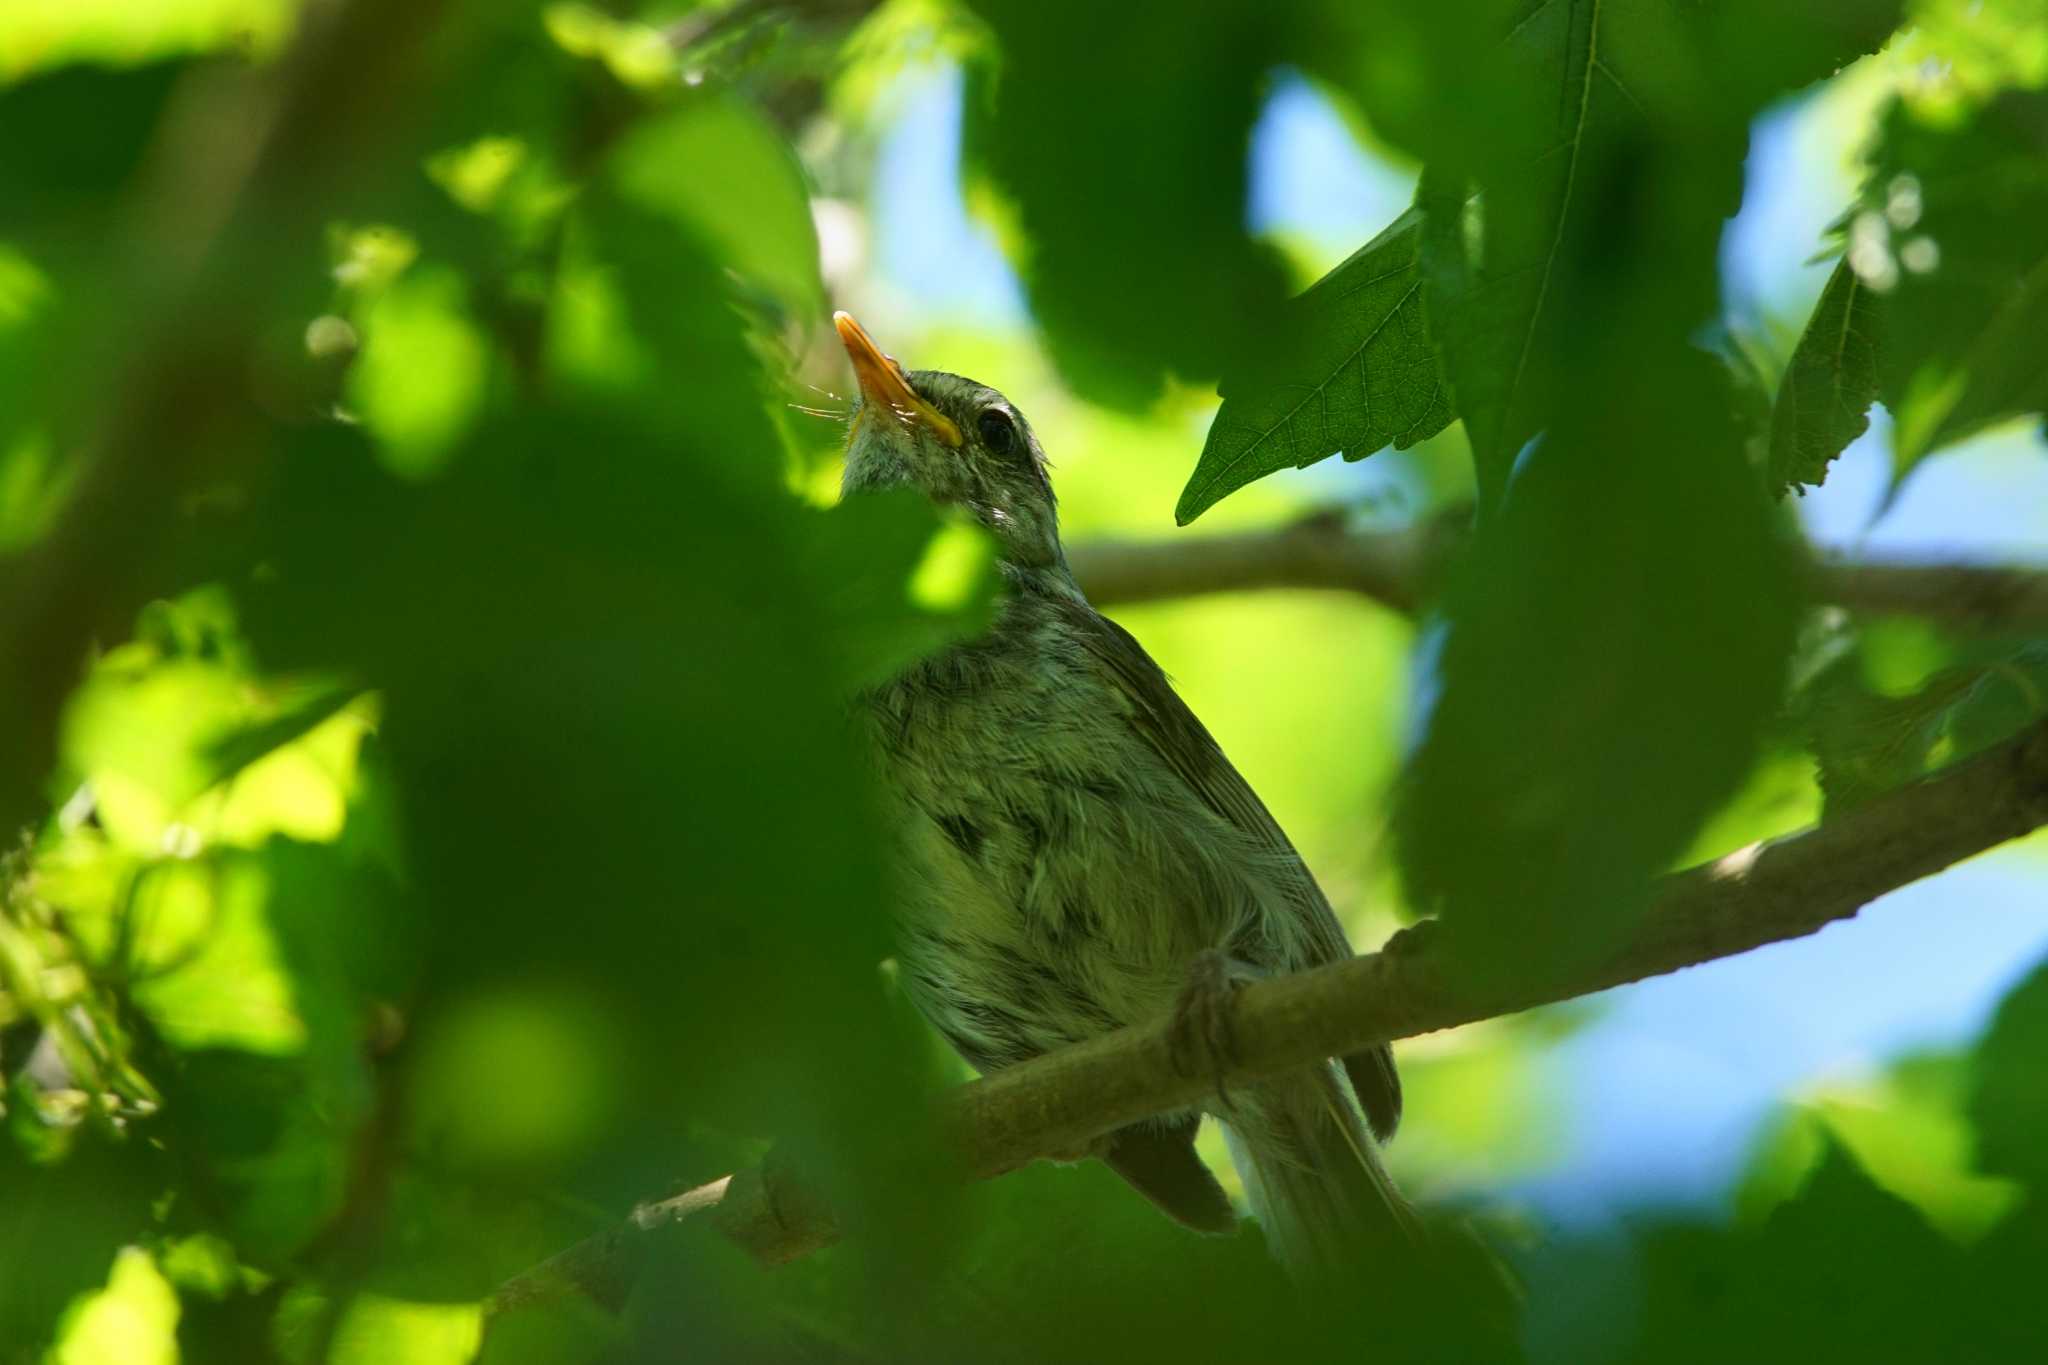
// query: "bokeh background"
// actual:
[[340, 856]]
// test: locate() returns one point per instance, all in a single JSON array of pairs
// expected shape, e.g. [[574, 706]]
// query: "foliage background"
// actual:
[[453, 836]]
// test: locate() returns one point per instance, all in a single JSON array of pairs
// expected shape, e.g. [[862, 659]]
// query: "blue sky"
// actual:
[[1666, 1092]]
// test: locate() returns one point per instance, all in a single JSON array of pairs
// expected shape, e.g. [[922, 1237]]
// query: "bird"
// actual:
[[1078, 855]]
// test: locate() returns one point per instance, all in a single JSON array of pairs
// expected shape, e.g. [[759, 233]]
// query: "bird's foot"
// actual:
[[1202, 1036]]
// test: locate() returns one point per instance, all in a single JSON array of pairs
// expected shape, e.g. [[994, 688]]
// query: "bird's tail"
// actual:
[[1313, 1177]]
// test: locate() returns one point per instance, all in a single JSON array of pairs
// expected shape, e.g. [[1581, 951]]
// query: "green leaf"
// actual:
[[1868, 742], [1907, 1129], [1965, 51], [59, 1227], [1948, 225], [1124, 141], [134, 1319], [2011, 1102], [1494, 265], [1613, 645], [268, 1009], [1824, 400], [1131, 1287], [306, 712], [719, 169], [36, 37], [374, 1329], [1605, 138], [1843, 1273], [420, 379], [1352, 370]]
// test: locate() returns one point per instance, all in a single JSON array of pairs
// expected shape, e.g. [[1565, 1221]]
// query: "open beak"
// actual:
[[883, 385]]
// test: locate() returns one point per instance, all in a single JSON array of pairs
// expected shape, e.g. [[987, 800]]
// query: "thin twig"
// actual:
[[1401, 568]]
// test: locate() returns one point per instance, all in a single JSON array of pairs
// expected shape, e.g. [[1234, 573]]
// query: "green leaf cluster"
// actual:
[[456, 831], [433, 819]]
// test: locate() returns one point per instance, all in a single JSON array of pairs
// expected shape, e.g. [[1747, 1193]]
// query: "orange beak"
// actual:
[[883, 386]]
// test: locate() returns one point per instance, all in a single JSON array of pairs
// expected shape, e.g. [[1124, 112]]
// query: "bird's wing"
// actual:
[[1180, 739]]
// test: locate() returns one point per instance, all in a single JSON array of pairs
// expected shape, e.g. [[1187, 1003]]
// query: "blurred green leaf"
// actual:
[[301, 717], [37, 35], [1968, 50], [179, 744], [717, 168], [133, 1320], [514, 1081], [1124, 142], [214, 974], [2010, 1107], [636, 54], [902, 581], [614, 721], [1941, 228], [1351, 370], [1129, 1285], [1911, 1135], [1824, 399], [420, 379], [273, 1010], [1612, 647], [1844, 1272], [59, 1227], [374, 1330], [94, 131], [1909, 1132]]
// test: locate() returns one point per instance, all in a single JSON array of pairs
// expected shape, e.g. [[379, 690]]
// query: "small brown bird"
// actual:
[[1081, 855]]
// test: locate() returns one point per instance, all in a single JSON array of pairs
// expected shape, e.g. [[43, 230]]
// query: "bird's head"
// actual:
[[961, 443]]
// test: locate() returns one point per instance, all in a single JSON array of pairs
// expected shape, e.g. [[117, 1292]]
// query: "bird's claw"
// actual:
[[1202, 1036]]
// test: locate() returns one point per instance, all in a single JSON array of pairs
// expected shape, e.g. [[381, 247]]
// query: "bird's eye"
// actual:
[[998, 432]]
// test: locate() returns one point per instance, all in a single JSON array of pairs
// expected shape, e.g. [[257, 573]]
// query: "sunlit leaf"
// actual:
[[214, 973], [133, 1320], [139, 731], [419, 381], [1352, 371], [475, 176], [375, 1329], [270, 1005], [1962, 52], [636, 54], [516, 1079], [1824, 400], [1908, 1131], [44, 33]]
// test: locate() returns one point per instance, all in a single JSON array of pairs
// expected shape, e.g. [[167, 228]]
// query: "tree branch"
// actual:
[[1766, 893], [1401, 568]]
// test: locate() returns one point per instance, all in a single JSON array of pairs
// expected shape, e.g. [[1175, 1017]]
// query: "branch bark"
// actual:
[[1766, 893], [1402, 568]]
